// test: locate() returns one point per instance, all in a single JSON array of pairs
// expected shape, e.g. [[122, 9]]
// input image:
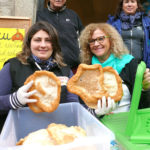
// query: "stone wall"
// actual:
[[25, 8], [7, 7]]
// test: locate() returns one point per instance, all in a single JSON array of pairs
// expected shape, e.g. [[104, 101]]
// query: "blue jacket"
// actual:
[[116, 22]]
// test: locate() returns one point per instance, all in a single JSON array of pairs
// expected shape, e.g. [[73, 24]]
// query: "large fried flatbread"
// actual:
[[92, 82], [87, 83], [48, 88]]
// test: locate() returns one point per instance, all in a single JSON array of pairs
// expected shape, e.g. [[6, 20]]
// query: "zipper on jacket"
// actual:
[[131, 40]]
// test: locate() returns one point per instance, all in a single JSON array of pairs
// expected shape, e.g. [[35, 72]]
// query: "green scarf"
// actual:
[[117, 63]]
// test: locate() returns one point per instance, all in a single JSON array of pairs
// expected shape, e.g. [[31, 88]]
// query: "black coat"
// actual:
[[69, 26], [128, 76]]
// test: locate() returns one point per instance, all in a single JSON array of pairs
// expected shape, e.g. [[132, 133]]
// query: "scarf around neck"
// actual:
[[44, 64], [116, 63], [128, 21]]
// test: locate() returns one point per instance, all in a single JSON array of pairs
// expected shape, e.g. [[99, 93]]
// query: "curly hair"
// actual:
[[120, 5], [117, 45], [26, 50]]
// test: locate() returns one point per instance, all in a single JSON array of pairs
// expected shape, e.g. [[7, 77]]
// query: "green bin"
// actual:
[[132, 129]]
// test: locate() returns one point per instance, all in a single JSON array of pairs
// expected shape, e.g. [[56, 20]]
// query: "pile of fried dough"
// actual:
[[48, 88], [92, 82], [54, 134]]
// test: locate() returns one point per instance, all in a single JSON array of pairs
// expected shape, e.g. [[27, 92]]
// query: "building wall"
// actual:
[[93, 10], [7, 7], [23, 8]]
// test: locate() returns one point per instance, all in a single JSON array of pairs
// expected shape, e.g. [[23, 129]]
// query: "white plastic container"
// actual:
[[21, 122]]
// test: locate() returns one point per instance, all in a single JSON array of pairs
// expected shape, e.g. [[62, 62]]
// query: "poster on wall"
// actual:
[[11, 40]]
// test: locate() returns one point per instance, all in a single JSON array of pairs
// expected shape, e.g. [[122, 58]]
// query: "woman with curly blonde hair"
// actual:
[[117, 46], [101, 44]]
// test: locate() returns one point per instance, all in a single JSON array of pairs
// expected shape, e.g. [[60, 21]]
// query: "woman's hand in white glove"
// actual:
[[105, 106], [23, 94]]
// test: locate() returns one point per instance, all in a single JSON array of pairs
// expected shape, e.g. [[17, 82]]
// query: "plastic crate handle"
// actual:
[[131, 122]]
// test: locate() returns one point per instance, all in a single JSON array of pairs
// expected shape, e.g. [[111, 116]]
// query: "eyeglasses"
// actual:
[[98, 39]]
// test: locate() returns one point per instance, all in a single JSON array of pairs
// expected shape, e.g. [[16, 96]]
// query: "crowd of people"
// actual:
[[58, 42]]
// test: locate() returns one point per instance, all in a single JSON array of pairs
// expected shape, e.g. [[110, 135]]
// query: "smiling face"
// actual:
[[41, 45], [100, 49], [130, 6], [57, 4]]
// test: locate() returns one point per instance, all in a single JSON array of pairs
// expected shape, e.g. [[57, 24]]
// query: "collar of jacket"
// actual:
[[50, 9]]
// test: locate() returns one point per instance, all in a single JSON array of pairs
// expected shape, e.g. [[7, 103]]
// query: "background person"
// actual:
[[68, 25], [41, 51], [134, 26], [102, 44]]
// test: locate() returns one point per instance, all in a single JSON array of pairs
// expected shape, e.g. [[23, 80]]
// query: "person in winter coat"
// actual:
[[134, 27], [68, 25]]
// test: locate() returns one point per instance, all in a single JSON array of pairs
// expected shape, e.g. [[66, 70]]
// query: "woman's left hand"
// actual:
[[146, 79]]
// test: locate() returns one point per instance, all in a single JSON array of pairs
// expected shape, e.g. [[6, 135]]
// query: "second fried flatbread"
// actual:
[[48, 88]]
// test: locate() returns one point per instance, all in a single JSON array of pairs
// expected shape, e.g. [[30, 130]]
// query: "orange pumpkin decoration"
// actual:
[[17, 36]]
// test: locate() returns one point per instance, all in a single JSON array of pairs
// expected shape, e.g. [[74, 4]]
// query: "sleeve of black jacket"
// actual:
[[128, 75]]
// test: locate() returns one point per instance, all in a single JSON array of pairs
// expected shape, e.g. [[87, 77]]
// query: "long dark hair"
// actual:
[[120, 4], [51, 31]]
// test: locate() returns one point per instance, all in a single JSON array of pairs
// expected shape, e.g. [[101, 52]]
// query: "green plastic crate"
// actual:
[[132, 129]]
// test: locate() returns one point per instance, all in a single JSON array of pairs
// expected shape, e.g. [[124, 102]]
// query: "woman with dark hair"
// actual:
[[134, 26], [41, 51]]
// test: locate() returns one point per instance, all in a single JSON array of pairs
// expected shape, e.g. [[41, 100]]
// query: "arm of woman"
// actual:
[[5, 87], [9, 100], [145, 97], [128, 76], [146, 79]]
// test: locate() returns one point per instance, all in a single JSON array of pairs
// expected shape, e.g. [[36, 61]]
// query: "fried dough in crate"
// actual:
[[91, 82], [48, 88], [88, 83], [63, 134], [54, 134], [39, 137]]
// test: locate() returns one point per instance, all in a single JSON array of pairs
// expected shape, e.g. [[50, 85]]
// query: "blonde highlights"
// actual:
[[117, 45]]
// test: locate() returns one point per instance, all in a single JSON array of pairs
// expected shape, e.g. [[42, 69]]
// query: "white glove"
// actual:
[[23, 94], [105, 106]]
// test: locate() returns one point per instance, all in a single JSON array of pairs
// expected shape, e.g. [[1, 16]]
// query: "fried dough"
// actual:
[[113, 83], [63, 134], [54, 134], [92, 82], [48, 88], [87, 83], [39, 137]]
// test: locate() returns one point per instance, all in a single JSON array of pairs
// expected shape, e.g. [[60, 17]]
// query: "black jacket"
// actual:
[[69, 26], [128, 76]]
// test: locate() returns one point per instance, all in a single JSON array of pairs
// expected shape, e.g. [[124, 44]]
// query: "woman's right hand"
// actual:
[[23, 94], [105, 106]]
